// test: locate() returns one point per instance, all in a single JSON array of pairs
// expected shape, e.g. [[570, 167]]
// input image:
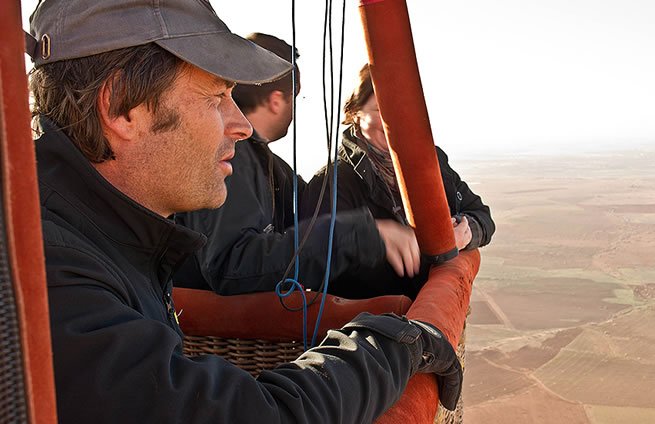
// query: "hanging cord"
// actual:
[[333, 190], [328, 124], [294, 281], [293, 109], [327, 27], [295, 285]]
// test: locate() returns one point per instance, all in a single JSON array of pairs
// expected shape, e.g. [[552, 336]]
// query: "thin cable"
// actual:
[[327, 129], [331, 56], [294, 282], [296, 285], [325, 108], [328, 123], [334, 181], [293, 110]]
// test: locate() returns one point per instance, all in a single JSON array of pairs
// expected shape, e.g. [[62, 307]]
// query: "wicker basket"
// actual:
[[445, 416], [253, 356]]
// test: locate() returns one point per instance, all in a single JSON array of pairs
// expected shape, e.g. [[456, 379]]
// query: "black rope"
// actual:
[[329, 125]]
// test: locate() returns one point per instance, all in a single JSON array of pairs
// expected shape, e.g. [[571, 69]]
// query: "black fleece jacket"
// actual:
[[251, 237], [359, 185], [118, 349]]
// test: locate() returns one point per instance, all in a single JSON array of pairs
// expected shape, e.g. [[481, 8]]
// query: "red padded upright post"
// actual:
[[442, 301], [399, 93], [23, 221]]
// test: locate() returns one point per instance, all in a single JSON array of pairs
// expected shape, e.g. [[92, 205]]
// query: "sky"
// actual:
[[501, 78]]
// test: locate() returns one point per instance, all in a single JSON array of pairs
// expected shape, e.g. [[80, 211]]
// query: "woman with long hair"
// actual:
[[366, 179]]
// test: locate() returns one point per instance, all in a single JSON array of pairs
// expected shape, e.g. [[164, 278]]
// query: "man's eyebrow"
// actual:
[[220, 81]]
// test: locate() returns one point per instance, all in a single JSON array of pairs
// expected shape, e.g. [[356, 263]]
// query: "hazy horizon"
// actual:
[[512, 77]]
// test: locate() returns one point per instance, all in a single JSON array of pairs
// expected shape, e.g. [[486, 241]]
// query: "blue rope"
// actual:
[[331, 143], [296, 285], [334, 181], [330, 241], [294, 281]]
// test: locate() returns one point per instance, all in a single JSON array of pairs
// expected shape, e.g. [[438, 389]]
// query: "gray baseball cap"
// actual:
[[189, 29]]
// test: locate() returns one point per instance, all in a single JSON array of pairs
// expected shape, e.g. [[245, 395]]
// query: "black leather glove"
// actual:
[[440, 359], [431, 351]]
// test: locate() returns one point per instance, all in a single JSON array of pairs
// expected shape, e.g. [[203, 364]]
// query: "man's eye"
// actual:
[[218, 98]]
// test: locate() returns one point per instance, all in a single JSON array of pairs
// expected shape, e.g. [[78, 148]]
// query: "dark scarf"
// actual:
[[382, 162]]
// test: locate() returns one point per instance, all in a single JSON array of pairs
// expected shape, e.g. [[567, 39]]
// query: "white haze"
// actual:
[[500, 78]]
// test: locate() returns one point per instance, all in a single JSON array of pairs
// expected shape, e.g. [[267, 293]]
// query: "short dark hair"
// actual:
[[359, 96], [67, 92], [248, 97]]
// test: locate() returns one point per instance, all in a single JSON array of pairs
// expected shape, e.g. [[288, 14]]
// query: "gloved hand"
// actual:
[[440, 359], [431, 351]]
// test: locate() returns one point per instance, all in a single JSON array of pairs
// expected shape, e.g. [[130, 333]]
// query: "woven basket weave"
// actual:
[[253, 356], [444, 416]]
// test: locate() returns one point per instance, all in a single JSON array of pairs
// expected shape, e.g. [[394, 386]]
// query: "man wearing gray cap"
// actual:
[[133, 100]]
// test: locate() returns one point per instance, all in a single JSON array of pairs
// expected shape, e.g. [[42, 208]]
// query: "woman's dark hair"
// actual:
[[360, 95]]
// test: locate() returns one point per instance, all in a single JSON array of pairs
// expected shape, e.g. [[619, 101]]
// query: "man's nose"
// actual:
[[236, 124]]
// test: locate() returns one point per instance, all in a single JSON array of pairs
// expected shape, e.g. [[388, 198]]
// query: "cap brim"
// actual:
[[228, 56]]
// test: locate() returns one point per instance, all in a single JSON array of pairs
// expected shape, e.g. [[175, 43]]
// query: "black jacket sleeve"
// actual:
[[114, 364], [251, 239], [352, 192], [245, 260], [463, 201]]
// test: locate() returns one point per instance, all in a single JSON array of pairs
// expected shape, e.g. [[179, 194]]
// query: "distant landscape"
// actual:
[[562, 328]]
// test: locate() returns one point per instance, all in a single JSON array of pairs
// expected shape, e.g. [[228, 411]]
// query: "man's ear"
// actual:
[[277, 101], [121, 127]]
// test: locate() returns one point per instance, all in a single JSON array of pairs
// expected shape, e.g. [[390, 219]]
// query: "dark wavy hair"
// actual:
[[359, 96], [67, 92], [248, 97]]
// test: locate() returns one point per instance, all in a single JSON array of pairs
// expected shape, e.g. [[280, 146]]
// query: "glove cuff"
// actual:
[[390, 325]]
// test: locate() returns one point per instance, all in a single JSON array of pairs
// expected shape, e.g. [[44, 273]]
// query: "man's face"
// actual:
[[190, 161], [286, 115], [370, 123]]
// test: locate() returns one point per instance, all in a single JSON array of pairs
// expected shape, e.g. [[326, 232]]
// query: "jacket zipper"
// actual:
[[170, 309]]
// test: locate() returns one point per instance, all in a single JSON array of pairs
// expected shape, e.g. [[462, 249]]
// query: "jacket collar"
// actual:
[[64, 169], [352, 152]]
